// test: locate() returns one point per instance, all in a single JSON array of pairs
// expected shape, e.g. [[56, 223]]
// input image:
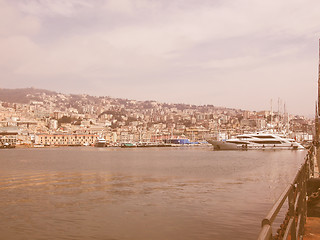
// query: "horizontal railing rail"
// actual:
[[296, 196]]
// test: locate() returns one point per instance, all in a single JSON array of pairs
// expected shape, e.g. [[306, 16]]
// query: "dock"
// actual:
[[312, 229], [302, 196], [312, 225], [302, 220]]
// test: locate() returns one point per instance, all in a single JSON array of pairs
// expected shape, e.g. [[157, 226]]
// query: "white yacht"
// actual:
[[257, 141], [101, 142]]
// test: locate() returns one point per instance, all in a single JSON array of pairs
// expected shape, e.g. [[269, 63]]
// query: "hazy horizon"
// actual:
[[230, 54], [275, 105]]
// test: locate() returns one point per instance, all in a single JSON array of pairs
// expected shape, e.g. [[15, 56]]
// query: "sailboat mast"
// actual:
[[316, 140], [319, 82], [271, 114], [316, 120]]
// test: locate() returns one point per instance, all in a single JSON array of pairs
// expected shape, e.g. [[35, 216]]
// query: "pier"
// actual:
[[312, 229], [302, 199], [302, 196]]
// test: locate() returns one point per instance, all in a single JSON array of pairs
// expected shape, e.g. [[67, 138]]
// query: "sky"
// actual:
[[230, 53]]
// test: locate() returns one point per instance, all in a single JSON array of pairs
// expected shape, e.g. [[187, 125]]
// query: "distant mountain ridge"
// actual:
[[27, 95], [21, 95]]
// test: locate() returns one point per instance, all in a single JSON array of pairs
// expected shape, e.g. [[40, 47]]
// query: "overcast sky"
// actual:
[[239, 53]]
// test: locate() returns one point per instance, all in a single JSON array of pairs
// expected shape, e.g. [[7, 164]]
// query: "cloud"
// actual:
[[14, 23], [16, 51], [120, 6], [163, 45], [65, 8]]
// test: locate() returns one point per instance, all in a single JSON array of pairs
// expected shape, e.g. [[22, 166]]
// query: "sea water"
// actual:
[[141, 193]]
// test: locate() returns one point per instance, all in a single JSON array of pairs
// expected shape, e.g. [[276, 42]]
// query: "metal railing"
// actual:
[[296, 196]]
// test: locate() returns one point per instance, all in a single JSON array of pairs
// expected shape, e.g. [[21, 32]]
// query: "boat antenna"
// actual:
[[319, 81], [316, 121], [285, 118], [284, 111], [271, 114], [278, 116]]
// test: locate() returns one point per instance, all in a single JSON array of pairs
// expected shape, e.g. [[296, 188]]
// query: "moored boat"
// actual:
[[152, 144], [7, 145], [128, 145], [101, 142], [257, 141]]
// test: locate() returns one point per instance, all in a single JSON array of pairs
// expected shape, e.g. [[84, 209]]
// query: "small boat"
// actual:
[[152, 144], [128, 145], [38, 145], [257, 141], [101, 142], [7, 145]]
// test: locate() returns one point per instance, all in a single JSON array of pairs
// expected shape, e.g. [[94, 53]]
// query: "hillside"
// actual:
[[26, 95], [22, 95]]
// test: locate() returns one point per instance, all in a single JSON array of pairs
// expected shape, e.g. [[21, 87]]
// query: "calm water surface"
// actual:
[[165, 193]]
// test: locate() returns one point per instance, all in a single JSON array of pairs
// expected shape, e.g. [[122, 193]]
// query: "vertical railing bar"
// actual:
[[289, 227], [277, 206], [300, 201], [298, 226], [292, 213], [304, 201], [297, 200]]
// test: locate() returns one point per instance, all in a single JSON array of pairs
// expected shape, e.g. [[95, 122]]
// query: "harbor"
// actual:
[[140, 193], [159, 120], [300, 218], [141, 123]]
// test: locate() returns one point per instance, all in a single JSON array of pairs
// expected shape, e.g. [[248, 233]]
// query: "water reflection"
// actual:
[[144, 194]]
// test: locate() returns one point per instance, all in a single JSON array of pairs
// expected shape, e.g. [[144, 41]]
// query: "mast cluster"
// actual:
[[316, 139]]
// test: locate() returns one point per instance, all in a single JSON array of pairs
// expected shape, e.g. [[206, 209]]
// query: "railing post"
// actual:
[[292, 212], [313, 157], [301, 202], [304, 199], [296, 193]]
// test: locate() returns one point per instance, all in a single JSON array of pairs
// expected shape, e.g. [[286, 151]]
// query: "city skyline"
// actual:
[[229, 54], [30, 113], [11, 95]]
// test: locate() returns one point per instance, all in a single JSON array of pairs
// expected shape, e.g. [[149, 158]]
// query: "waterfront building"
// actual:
[[122, 120], [66, 139], [8, 135]]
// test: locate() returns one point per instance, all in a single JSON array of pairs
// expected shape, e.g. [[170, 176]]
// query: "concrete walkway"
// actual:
[[312, 229]]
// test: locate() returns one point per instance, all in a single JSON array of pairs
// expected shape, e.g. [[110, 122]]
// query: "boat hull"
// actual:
[[100, 144], [257, 141], [128, 145], [224, 145]]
